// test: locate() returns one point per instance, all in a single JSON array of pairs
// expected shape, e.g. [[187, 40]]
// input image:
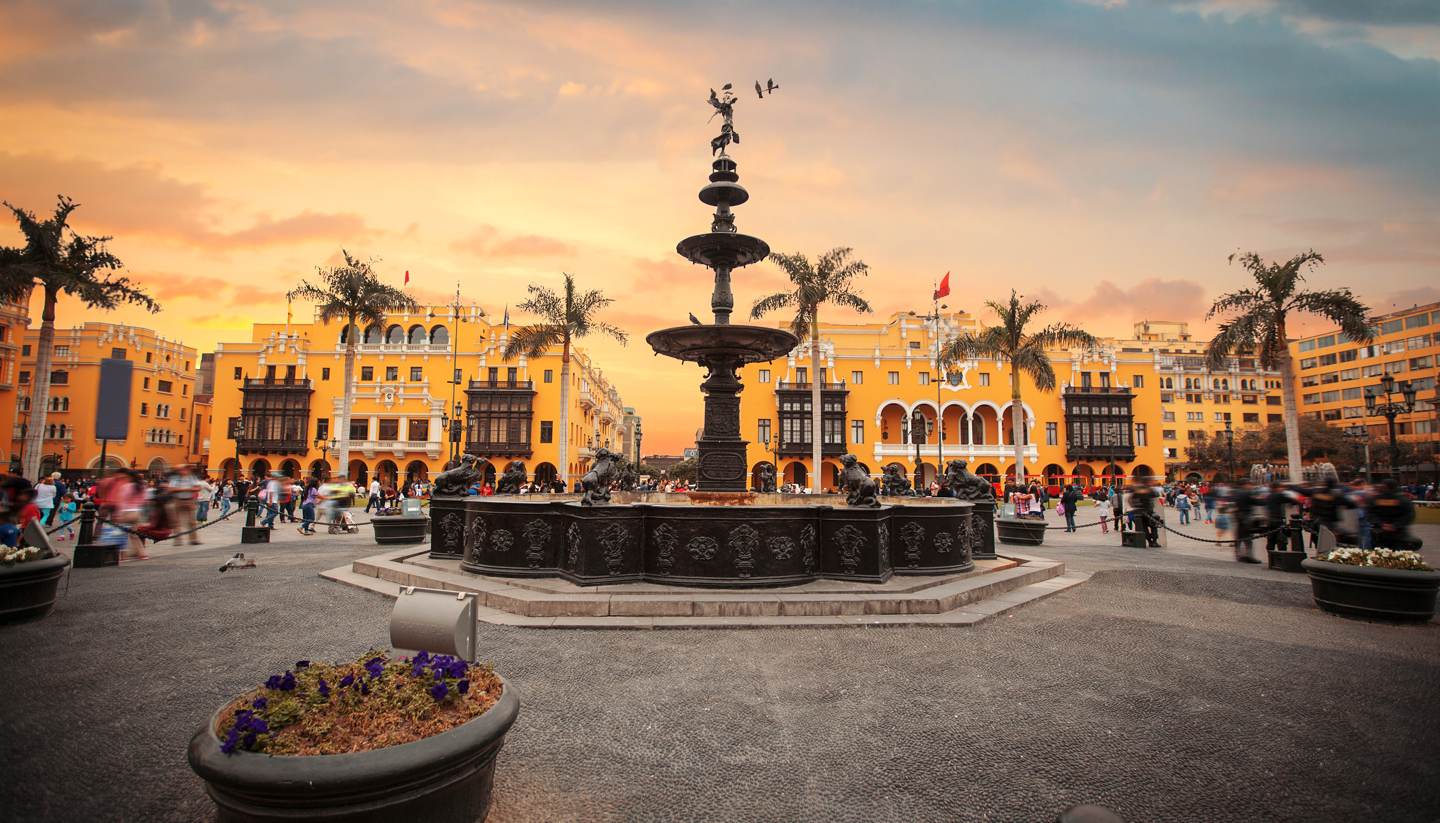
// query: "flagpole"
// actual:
[[454, 378], [940, 375]]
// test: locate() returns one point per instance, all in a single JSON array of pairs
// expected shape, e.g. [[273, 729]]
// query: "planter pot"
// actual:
[[1020, 531], [400, 529], [442, 779], [27, 590], [1287, 561], [1382, 594]]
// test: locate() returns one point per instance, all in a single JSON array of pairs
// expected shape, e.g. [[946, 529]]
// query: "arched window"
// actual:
[[395, 335], [344, 335], [439, 336], [373, 336], [65, 404], [417, 335]]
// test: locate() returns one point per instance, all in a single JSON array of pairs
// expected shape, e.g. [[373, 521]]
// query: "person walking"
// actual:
[[1182, 505], [204, 495], [1391, 513], [183, 491], [270, 497], [45, 498], [227, 493], [1069, 503], [1243, 503], [1208, 497], [374, 498], [309, 498], [66, 513]]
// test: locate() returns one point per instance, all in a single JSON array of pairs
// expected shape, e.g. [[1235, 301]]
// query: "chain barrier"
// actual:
[[137, 531], [1257, 535]]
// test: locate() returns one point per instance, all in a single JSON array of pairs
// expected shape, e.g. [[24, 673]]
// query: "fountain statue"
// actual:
[[721, 535]]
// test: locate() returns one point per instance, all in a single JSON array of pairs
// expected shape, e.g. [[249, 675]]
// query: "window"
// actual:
[[388, 429], [550, 378], [59, 378], [1138, 381], [764, 376], [1415, 321], [145, 383], [1141, 438], [184, 389], [117, 354], [1307, 345], [1307, 362], [1349, 355], [1250, 417], [238, 373], [984, 378], [857, 431], [417, 373], [62, 351], [1167, 434], [1052, 434], [1328, 359], [164, 386], [322, 428], [1221, 417], [762, 431], [367, 372], [419, 429], [1194, 417], [1167, 417], [360, 429], [1194, 435], [1274, 418], [149, 357], [1273, 400], [392, 373], [857, 377], [924, 378], [25, 350], [802, 375], [325, 373], [182, 412], [893, 378], [1391, 326], [547, 430], [24, 377], [144, 409]]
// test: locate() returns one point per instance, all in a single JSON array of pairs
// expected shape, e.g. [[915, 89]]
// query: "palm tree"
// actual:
[[354, 292], [59, 261], [1256, 323], [1027, 352], [563, 319], [829, 280]]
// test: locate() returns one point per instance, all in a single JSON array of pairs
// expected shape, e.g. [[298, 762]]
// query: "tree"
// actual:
[[352, 291], [686, 470], [1026, 352], [1323, 443], [563, 318], [1257, 320], [830, 280], [59, 261]]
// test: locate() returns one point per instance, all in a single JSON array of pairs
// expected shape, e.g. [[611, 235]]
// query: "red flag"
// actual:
[[944, 287], [407, 277]]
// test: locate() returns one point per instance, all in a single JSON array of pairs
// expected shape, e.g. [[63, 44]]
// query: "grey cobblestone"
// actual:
[[1172, 686]]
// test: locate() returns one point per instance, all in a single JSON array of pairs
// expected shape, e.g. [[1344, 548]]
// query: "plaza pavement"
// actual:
[[1174, 685]]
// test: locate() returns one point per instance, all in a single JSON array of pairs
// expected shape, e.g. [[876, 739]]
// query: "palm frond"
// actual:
[[533, 341], [1340, 307], [1034, 362]]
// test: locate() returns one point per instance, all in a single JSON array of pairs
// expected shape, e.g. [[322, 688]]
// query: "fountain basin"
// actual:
[[767, 540], [737, 344]]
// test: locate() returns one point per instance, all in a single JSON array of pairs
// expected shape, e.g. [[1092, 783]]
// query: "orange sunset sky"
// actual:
[[1105, 156]]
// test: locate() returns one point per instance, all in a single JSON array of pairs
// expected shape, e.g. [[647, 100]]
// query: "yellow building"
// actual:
[[14, 319], [1197, 401], [1103, 419], [1333, 373], [284, 390], [162, 398]]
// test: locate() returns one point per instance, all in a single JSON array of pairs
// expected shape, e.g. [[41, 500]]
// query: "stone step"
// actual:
[[947, 594]]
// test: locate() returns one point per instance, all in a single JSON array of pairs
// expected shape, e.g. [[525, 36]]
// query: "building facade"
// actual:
[[1334, 372], [162, 399], [283, 391], [14, 320]]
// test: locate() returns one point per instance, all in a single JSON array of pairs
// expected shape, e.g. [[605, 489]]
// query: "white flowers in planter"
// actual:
[[1377, 558]]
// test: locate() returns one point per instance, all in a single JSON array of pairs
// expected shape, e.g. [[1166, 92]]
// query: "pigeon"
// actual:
[[725, 87], [694, 319], [238, 562], [759, 92], [770, 85]]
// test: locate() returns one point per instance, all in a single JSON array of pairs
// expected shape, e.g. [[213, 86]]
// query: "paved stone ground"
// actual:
[[1174, 685]]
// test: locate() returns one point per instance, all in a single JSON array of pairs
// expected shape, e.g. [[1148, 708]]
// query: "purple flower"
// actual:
[[260, 703], [324, 689], [439, 690], [463, 686], [302, 664], [364, 687], [375, 667], [287, 683], [456, 668], [228, 744], [273, 682], [347, 681], [249, 741], [422, 658]]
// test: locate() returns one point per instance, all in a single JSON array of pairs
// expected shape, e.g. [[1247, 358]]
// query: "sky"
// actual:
[[1105, 157]]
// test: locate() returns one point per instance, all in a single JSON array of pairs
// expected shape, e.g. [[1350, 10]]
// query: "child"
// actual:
[[68, 511]]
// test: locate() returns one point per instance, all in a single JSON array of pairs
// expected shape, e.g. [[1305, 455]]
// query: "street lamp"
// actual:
[[1230, 450], [766, 440], [237, 429], [456, 432], [913, 429], [325, 447], [69, 447], [1360, 436], [1391, 409]]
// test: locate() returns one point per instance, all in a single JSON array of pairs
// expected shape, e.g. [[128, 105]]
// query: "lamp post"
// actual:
[[1230, 451], [325, 447], [766, 440], [1391, 409], [237, 428], [638, 434], [69, 447], [456, 433], [1360, 436], [913, 429]]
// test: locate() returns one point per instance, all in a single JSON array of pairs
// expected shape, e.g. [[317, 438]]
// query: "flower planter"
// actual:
[[399, 529], [442, 779], [1365, 591], [1287, 561], [27, 589], [1020, 531]]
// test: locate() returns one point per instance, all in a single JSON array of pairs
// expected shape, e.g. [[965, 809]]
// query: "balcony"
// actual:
[[790, 385], [802, 449], [587, 398], [276, 383], [1113, 454], [1105, 390], [502, 383], [964, 451], [505, 449], [396, 448], [253, 445]]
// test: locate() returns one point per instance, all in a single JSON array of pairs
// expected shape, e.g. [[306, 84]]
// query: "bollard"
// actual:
[[1296, 533], [251, 533], [87, 524]]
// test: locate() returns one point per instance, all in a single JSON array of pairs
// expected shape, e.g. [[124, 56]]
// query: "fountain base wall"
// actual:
[[772, 542]]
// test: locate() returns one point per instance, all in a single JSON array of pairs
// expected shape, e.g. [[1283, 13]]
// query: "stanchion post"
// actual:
[[87, 523], [251, 533]]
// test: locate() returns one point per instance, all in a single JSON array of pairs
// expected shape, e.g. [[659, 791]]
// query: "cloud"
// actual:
[[306, 226], [1405, 298], [166, 286], [488, 241], [1152, 298]]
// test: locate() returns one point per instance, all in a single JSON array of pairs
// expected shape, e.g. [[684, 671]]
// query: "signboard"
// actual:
[[112, 409]]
